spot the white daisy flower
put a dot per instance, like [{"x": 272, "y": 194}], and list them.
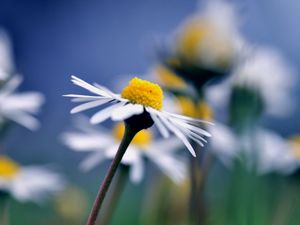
[
  {"x": 266, "y": 72},
  {"x": 210, "y": 37},
  {"x": 139, "y": 97},
  {"x": 6, "y": 62},
  {"x": 28, "y": 183},
  {"x": 103, "y": 145},
  {"x": 18, "y": 106},
  {"x": 274, "y": 153}
]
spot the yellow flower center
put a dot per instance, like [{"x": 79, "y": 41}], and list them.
[
  {"x": 192, "y": 34},
  {"x": 8, "y": 168},
  {"x": 169, "y": 79},
  {"x": 295, "y": 141},
  {"x": 199, "y": 110},
  {"x": 142, "y": 138},
  {"x": 205, "y": 112},
  {"x": 144, "y": 92},
  {"x": 201, "y": 40},
  {"x": 187, "y": 106}
]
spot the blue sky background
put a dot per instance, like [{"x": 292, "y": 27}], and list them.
[{"x": 99, "y": 40}]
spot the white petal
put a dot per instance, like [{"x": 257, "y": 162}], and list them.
[
  {"x": 11, "y": 85},
  {"x": 196, "y": 129},
  {"x": 25, "y": 120},
  {"x": 36, "y": 183},
  {"x": 77, "y": 81},
  {"x": 127, "y": 111},
  {"x": 92, "y": 160},
  {"x": 104, "y": 89},
  {"x": 173, "y": 167},
  {"x": 179, "y": 134},
  {"x": 105, "y": 113},
  {"x": 86, "y": 141},
  {"x": 27, "y": 102},
  {"x": 160, "y": 126},
  {"x": 90, "y": 105},
  {"x": 186, "y": 118},
  {"x": 82, "y": 98},
  {"x": 137, "y": 171}
]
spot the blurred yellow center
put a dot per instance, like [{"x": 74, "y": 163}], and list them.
[
  {"x": 199, "y": 110},
  {"x": 295, "y": 141},
  {"x": 8, "y": 168},
  {"x": 192, "y": 34},
  {"x": 143, "y": 92},
  {"x": 169, "y": 79},
  {"x": 202, "y": 39},
  {"x": 142, "y": 138},
  {"x": 205, "y": 112}
]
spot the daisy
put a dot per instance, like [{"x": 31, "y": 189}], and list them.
[
  {"x": 206, "y": 45},
  {"x": 209, "y": 37},
  {"x": 264, "y": 72},
  {"x": 18, "y": 107},
  {"x": 102, "y": 145},
  {"x": 273, "y": 153},
  {"x": 142, "y": 98},
  {"x": 28, "y": 183}
]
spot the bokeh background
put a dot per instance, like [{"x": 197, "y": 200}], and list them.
[{"x": 103, "y": 40}]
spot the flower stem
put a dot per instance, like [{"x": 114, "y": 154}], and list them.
[
  {"x": 4, "y": 215},
  {"x": 127, "y": 138},
  {"x": 115, "y": 195},
  {"x": 199, "y": 168}
]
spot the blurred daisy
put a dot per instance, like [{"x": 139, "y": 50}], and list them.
[
  {"x": 140, "y": 97},
  {"x": 209, "y": 37},
  {"x": 103, "y": 145},
  {"x": 206, "y": 45},
  {"x": 28, "y": 183},
  {"x": 273, "y": 153},
  {"x": 18, "y": 106},
  {"x": 6, "y": 62},
  {"x": 267, "y": 74}
]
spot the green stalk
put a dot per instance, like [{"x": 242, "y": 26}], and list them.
[
  {"x": 4, "y": 209},
  {"x": 115, "y": 195},
  {"x": 127, "y": 138}
]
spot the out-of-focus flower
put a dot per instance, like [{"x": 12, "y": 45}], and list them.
[
  {"x": 142, "y": 98},
  {"x": 265, "y": 74},
  {"x": 6, "y": 62},
  {"x": 28, "y": 183},
  {"x": 102, "y": 145},
  {"x": 207, "y": 44},
  {"x": 17, "y": 106},
  {"x": 273, "y": 153},
  {"x": 71, "y": 204}
]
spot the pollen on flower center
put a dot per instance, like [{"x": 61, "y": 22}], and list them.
[
  {"x": 143, "y": 92},
  {"x": 8, "y": 168},
  {"x": 142, "y": 138}
]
